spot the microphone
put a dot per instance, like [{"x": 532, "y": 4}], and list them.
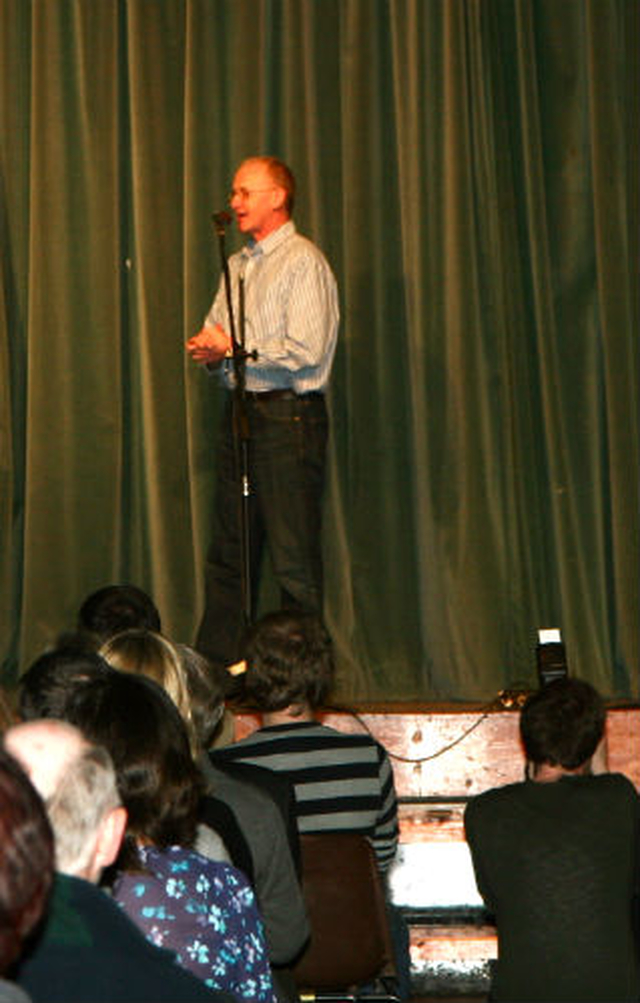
[{"x": 222, "y": 219}]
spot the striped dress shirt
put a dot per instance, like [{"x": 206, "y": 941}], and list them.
[
  {"x": 342, "y": 782},
  {"x": 290, "y": 308}
]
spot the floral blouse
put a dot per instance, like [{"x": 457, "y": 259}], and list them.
[{"x": 204, "y": 911}]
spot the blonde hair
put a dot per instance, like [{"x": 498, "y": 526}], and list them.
[{"x": 146, "y": 653}]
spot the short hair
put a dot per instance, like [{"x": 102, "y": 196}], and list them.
[
  {"x": 562, "y": 723},
  {"x": 46, "y": 686},
  {"x": 83, "y": 797},
  {"x": 26, "y": 858},
  {"x": 158, "y": 780},
  {"x": 289, "y": 661},
  {"x": 208, "y": 685},
  {"x": 147, "y": 653},
  {"x": 114, "y": 608},
  {"x": 282, "y": 176}
]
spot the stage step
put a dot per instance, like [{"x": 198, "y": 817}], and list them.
[{"x": 451, "y": 960}]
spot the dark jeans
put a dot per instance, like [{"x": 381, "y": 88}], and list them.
[{"x": 287, "y": 439}]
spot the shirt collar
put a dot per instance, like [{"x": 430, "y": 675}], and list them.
[
  {"x": 291, "y": 726},
  {"x": 269, "y": 244}
]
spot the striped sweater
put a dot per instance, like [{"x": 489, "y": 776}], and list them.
[{"x": 342, "y": 782}]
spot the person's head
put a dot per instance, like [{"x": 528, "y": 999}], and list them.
[
  {"x": 158, "y": 780},
  {"x": 262, "y": 196},
  {"x": 46, "y": 686},
  {"x": 26, "y": 859},
  {"x": 114, "y": 608},
  {"x": 562, "y": 723},
  {"x": 76, "y": 781},
  {"x": 289, "y": 662},
  {"x": 145, "y": 653},
  {"x": 208, "y": 686}
]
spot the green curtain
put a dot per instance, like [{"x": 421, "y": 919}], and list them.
[{"x": 470, "y": 168}]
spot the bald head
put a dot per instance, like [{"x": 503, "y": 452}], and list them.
[
  {"x": 45, "y": 749},
  {"x": 77, "y": 783}
]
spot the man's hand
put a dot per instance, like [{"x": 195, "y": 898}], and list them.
[{"x": 210, "y": 345}]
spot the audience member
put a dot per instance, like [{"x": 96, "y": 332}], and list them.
[
  {"x": 88, "y": 949},
  {"x": 203, "y": 909},
  {"x": 341, "y": 781},
  {"x": 273, "y": 870},
  {"x": 115, "y": 608},
  {"x": 556, "y": 859},
  {"x": 148, "y": 653},
  {"x": 209, "y": 687},
  {"x": 45, "y": 687},
  {"x": 108, "y": 611},
  {"x": 26, "y": 868}
]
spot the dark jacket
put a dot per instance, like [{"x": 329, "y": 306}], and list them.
[
  {"x": 89, "y": 951},
  {"x": 557, "y": 863}
]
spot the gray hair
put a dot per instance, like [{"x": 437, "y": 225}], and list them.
[{"x": 84, "y": 796}]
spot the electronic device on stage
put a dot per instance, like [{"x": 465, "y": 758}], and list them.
[{"x": 551, "y": 656}]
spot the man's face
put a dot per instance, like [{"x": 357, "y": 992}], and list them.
[{"x": 257, "y": 202}]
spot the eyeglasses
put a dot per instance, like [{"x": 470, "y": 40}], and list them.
[{"x": 244, "y": 193}]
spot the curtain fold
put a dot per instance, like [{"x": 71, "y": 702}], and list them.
[{"x": 470, "y": 170}]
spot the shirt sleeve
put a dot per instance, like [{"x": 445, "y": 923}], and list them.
[
  {"x": 291, "y": 314},
  {"x": 385, "y": 837},
  {"x": 279, "y": 893},
  {"x": 303, "y": 334}
]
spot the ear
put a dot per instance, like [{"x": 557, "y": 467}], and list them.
[
  {"x": 110, "y": 837},
  {"x": 279, "y": 198},
  {"x": 600, "y": 758}
]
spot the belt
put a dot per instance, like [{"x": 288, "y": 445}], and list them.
[{"x": 282, "y": 395}]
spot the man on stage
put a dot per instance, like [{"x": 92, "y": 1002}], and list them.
[{"x": 290, "y": 310}]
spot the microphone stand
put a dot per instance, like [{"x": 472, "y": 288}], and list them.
[{"x": 240, "y": 418}]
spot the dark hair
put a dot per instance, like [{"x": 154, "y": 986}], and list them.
[
  {"x": 289, "y": 661},
  {"x": 115, "y": 608},
  {"x": 207, "y": 686},
  {"x": 47, "y": 685},
  {"x": 26, "y": 859},
  {"x": 562, "y": 723},
  {"x": 158, "y": 781}
]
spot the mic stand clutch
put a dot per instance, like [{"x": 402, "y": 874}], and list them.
[{"x": 240, "y": 417}]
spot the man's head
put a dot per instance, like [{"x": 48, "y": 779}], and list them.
[
  {"x": 262, "y": 196},
  {"x": 562, "y": 724},
  {"x": 26, "y": 859},
  {"x": 289, "y": 662},
  {"x": 76, "y": 781},
  {"x": 47, "y": 685},
  {"x": 114, "y": 608}
]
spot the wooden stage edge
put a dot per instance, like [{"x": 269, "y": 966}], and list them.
[{"x": 455, "y": 751}]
